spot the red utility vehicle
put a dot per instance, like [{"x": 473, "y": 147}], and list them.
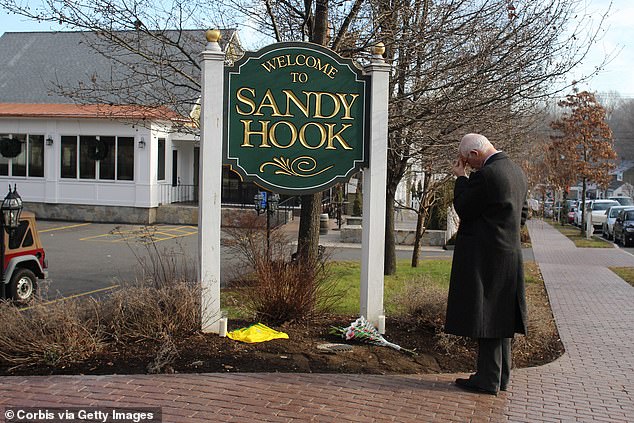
[{"x": 24, "y": 260}]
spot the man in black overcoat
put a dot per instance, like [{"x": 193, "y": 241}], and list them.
[{"x": 486, "y": 292}]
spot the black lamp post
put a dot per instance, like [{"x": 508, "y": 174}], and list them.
[
  {"x": 11, "y": 209},
  {"x": 266, "y": 203}
]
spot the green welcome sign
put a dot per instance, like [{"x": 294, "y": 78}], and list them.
[{"x": 296, "y": 118}]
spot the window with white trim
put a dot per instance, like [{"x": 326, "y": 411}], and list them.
[
  {"x": 97, "y": 157},
  {"x": 161, "y": 159},
  {"x": 30, "y": 159}
]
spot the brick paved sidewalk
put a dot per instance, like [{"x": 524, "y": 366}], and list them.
[
  {"x": 594, "y": 311},
  {"x": 591, "y": 382}
]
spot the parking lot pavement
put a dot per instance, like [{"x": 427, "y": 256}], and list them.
[
  {"x": 87, "y": 258},
  {"x": 144, "y": 235}
]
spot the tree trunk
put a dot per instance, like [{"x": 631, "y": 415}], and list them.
[
  {"x": 421, "y": 216},
  {"x": 564, "y": 208},
  {"x": 420, "y": 219},
  {"x": 320, "y": 30},
  {"x": 396, "y": 166},
  {"x": 583, "y": 208},
  {"x": 308, "y": 236}
]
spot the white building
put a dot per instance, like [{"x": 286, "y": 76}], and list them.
[{"x": 99, "y": 161}]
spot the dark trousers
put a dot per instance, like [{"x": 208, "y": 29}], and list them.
[{"x": 494, "y": 363}]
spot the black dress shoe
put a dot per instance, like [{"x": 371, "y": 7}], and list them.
[
  {"x": 503, "y": 387},
  {"x": 468, "y": 385}
]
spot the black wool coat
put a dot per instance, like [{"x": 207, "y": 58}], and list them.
[{"x": 486, "y": 290}]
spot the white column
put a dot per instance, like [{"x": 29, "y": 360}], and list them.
[
  {"x": 52, "y": 165},
  {"x": 374, "y": 183},
  {"x": 452, "y": 223},
  {"x": 210, "y": 179}
]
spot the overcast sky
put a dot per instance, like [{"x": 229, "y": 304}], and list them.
[{"x": 617, "y": 76}]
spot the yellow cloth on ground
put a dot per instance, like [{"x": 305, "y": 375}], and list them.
[{"x": 256, "y": 333}]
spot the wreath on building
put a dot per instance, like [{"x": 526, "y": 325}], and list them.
[
  {"x": 10, "y": 147},
  {"x": 98, "y": 150}
]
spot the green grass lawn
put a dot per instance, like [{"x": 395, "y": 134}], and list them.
[
  {"x": 346, "y": 276},
  {"x": 625, "y": 273},
  {"x": 574, "y": 234}
]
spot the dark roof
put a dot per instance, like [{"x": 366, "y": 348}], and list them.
[
  {"x": 623, "y": 166},
  {"x": 37, "y": 67},
  {"x": 614, "y": 184}
]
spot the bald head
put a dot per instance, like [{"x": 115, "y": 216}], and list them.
[
  {"x": 474, "y": 142},
  {"x": 475, "y": 149}
]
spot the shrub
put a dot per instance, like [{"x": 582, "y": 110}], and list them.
[
  {"x": 248, "y": 238},
  {"x": 525, "y": 237},
  {"x": 166, "y": 354},
  {"x": 163, "y": 303},
  {"x": 423, "y": 301},
  {"x": 56, "y": 334},
  {"x": 280, "y": 288},
  {"x": 60, "y": 333},
  {"x": 144, "y": 312},
  {"x": 425, "y": 304},
  {"x": 288, "y": 291}
]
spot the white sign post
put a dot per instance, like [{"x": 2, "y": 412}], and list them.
[
  {"x": 210, "y": 177},
  {"x": 374, "y": 183},
  {"x": 589, "y": 224}
]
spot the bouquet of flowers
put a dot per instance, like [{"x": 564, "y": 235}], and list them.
[{"x": 362, "y": 330}]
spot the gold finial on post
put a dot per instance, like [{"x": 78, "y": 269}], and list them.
[
  {"x": 378, "y": 49},
  {"x": 212, "y": 35}
]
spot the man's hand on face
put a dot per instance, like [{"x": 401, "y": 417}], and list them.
[{"x": 458, "y": 167}]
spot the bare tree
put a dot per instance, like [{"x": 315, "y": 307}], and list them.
[
  {"x": 457, "y": 65},
  {"x": 534, "y": 159},
  {"x": 472, "y": 66},
  {"x": 308, "y": 236}
]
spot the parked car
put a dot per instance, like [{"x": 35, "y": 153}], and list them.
[
  {"x": 588, "y": 204},
  {"x": 571, "y": 214},
  {"x": 624, "y": 201},
  {"x": 611, "y": 214},
  {"x": 598, "y": 209},
  {"x": 624, "y": 227}
]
